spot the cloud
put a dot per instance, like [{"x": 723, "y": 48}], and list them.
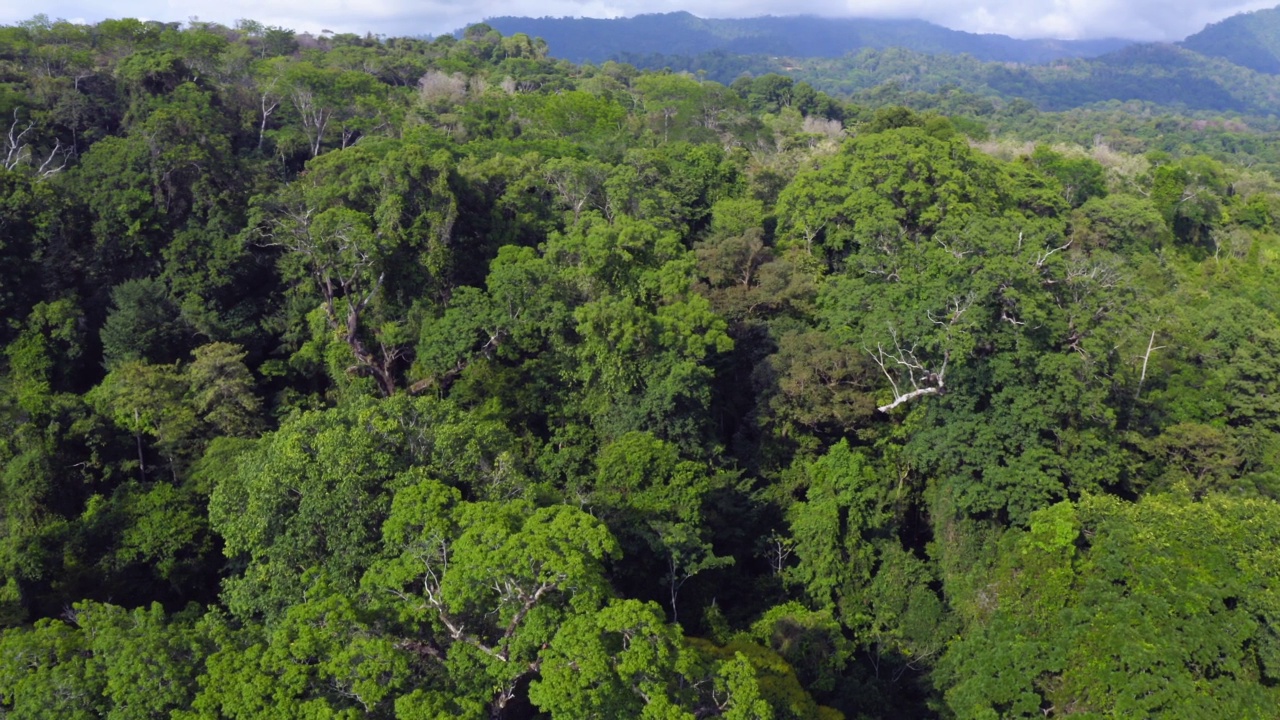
[
  {"x": 1137, "y": 19},
  {"x": 1067, "y": 19}
]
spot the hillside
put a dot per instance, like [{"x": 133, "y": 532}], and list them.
[
  {"x": 1228, "y": 67},
  {"x": 680, "y": 33},
  {"x": 1250, "y": 40},
  {"x": 1165, "y": 75}
]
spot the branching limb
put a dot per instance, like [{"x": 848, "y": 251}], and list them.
[
  {"x": 906, "y": 364},
  {"x": 1146, "y": 357},
  {"x": 923, "y": 381},
  {"x": 910, "y": 396},
  {"x": 16, "y": 150},
  {"x": 47, "y": 167},
  {"x": 1044, "y": 256}
]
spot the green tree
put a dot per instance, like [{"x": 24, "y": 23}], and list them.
[
  {"x": 483, "y": 587},
  {"x": 1081, "y": 178},
  {"x": 623, "y": 661},
  {"x": 325, "y": 103},
  {"x": 1122, "y": 223},
  {"x": 315, "y": 492},
  {"x": 49, "y": 457},
  {"x": 369, "y": 223},
  {"x": 323, "y": 658},
  {"x": 143, "y": 325},
  {"x": 102, "y": 661},
  {"x": 222, "y": 390},
  {"x": 834, "y": 529},
  {"x": 812, "y": 642},
  {"x": 1157, "y": 608},
  {"x": 148, "y": 400}
]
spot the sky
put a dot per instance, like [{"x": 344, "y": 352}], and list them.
[{"x": 1166, "y": 20}]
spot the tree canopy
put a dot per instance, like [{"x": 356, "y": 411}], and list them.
[{"x": 354, "y": 377}]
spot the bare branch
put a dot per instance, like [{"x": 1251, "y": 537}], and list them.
[
  {"x": 1040, "y": 261},
  {"x": 269, "y": 105},
  {"x": 17, "y": 149},
  {"x": 923, "y": 381},
  {"x": 45, "y": 169},
  {"x": 955, "y": 253},
  {"x": 1146, "y": 357},
  {"x": 956, "y": 308},
  {"x": 1006, "y": 317},
  {"x": 910, "y": 396},
  {"x": 879, "y": 357}
]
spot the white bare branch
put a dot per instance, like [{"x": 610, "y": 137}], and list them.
[
  {"x": 1146, "y": 357},
  {"x": 270, "y": 103},
  {"x": 879, "y": 357},
  {"x": 902, "y": 366},
  {"x": 956, "y": 308},
  {"x": 16, "y": 147},
  {"x": 1006, "y": 317},
  {"x": 911, "y": 396},
  {"x": 1044, "y": 256},
  {"x": 904, "y": 360},
  {"x": 954, "y": 252},
  {"x": 17, "y": 150},
  {"x": 46, "y": 168}
]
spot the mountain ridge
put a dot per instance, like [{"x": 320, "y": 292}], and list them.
[
  {"x": 682, "y": 33},
  {"x": 1249, "y": 40},
  {"x": 1230, "y": 66}
]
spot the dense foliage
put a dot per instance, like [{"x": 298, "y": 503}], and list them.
[{"x": 355, "y": 377}]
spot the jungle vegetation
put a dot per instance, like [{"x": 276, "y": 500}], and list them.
[{"x": 380, "y": 377}]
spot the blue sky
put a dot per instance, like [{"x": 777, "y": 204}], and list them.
[{"x": 1067, "y": 19}]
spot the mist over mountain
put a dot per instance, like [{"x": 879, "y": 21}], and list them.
[{"x": 681, "y": 33}]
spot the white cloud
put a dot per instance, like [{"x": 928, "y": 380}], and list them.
[
  {"x": 1068, "y": 19},
  {"x": 1137, "y": 19}
]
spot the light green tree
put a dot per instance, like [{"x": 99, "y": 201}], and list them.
[{"x": 483, "y": 587}]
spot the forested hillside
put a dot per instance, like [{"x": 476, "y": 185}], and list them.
[
  {"x": 1229, "y": 67},
  {"x": 680, "y": 33},
  {"x": 1251, "y": 40},
  {"x": 354, "y": 377},
  {"x": 1169, "y": 77}
]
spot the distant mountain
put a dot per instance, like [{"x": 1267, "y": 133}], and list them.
[
  {"x": 680, "y": 33},
  {"x": 1250, "y": 40},
  {"x": 1157, "y": 73},
  {"x": 1166, "y": 75},
  {"x": 1232, "y": 66}
]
